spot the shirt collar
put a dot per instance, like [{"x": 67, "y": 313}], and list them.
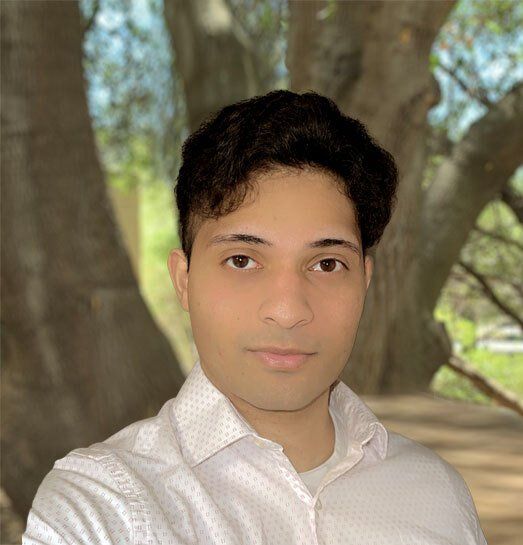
[{"x": 206, "y": 421}]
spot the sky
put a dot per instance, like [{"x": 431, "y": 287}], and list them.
[{"x": 494, "y": 73}]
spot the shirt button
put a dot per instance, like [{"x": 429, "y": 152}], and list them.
[{"x": 318, "y": 504}]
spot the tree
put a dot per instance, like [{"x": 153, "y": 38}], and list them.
[
  {"x": 217, "y": 60},
  {"x": 373, "y": 59},
  {"x": 78, "y": 342},
  {"x": 81, "y": 354}
]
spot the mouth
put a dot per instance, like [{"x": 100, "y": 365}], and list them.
[
  {"x": 282, "y": 351},
  {"x": 290, "y": 361}
]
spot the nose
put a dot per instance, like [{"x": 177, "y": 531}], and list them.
[{"x": 286, "y": 302}]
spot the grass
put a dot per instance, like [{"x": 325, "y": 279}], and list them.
[{"x": 505, "y": 369}]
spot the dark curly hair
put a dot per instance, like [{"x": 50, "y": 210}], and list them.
[{"x": 282, "y": 129}]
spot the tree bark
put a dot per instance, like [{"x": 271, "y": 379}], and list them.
[
  {"x": 473, "y": 175},
  {"x": 372, "y": 58},
  {"x": 490, "y": 387},
  {"x": 513, "y": 201},
  {"x": 214, "y": 57},
  {"x": 81, "y": 355}
]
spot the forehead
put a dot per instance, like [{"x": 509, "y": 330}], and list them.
[
  {"x": 304, "y": 209},
  {"x": 295, "y": 182}
]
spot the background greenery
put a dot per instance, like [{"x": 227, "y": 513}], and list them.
[
  {"x": 139, "y": 117},
  {"x": 462, "y": 307}
]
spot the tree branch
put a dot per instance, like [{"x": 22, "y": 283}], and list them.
[
  {"x": 489, "y": 292},
  {"x": 514, "y": 201},
  {"x": 90, "y": 21},
  {"x": 474, "y": 174},
  {"x": 499, "y": 237},
  {"x": 439, "y": 143},
  {"x": 486, "y": 385},
  {"x": 214, "y": 57},
  {"x": 478, "y": 95}
]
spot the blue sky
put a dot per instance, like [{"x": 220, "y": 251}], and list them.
[{"x": 490, "y": 72}]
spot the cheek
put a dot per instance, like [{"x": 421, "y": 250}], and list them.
[
  {"x": 219, "y": 304},
  {"x": 343, "y": 307},
  {"x": 338, "y": 319},
  {"x": 215, "y": 319}
]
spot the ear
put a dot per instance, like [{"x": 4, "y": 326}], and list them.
[
  {"x": 369, "y": 267},
  {"x": 177, "y": 264}
]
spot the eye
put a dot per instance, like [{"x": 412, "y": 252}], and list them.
[
  {"x": 242, "y": 260},
  {"x": 331, "y": 259}
]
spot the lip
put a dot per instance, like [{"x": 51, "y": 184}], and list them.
[
  {"x": 278, "y": 350},
  {"x": 289, "y": 362}
]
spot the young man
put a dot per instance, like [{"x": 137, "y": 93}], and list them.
[{"x": 280, "y": 198}]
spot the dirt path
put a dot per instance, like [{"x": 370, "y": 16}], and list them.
[{"x": 485, "y": 444}]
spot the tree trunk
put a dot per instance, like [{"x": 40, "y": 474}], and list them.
[
  {"x": 213, "y": 56},
  {"x": 81, "y": 355},
  {"x": 372, "y": 58},
  {"x": 473, "y": 175}
]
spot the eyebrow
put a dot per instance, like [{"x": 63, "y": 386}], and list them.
[{"x": 253, "y": 239}]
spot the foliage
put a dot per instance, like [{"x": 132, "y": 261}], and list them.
[
  {"x": 159, "y": 236},
  {"x": 136, "y": 102},
  {"x": 264, "y": 22},
  {"x": 497, "y": 261},
  {"x": 476, "y": 59},
  {"x": 505, "y": 369},
  {"x": 138, "y": 109},
  {"x": 136, "y": 98}
]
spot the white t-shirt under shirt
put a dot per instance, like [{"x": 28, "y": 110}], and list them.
[
  {"x": 313, "y": 477},
  {"x": 197, "y": 473}
]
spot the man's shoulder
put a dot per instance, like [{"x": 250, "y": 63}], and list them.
[
  {"x": 403, "y": 449},
  {"x": 427, "y": 475},
  {"x": 103, "y": 483},
  {"x": 81, "y": 493},
  {"x": 419, "y": 458},
  {"x": 151, "y": 438},
  {"x": 422, "y": 492}
]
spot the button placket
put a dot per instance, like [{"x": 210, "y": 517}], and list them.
[{"x": 288, "y": 472}]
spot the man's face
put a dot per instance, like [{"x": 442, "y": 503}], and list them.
[{"x": 279, "y": 295}]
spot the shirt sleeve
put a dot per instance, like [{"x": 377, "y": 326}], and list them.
[
  {"x": 469, "y": 510},
  {"x": 78, "y": 502}
]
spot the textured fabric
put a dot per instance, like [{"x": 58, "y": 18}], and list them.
[
  {"x": 198, "y": 473},
  {"x": 313, "y": 477}
]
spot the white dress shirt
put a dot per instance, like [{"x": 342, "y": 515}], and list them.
[
  {"x": 313, "y": 477},
  {"x": 198, "y": 473}
]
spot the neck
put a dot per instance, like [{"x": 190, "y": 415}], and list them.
[{"x": 307, "y": 435}]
